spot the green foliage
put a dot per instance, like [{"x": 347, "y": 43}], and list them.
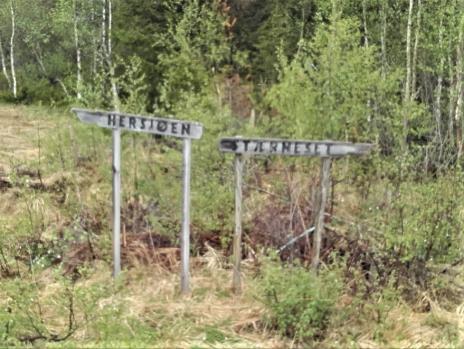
[
  {"x": 194, "y": 46},
  {"x": 54, "y": 310},
  {"x": 286, "y": 24},
  {"x": 133, "y": 85},
  {"x": 422, "y": 221},
  {"x": 299, "y": 302},
  {"x": 330, "y": 87},
  {"x": 213, "y": 335}
]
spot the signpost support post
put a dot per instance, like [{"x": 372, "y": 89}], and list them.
[
  {"x": 236, "y": 281},
  {"x": 325, "y": 184},
  {"x": 185, "y": 234},
  {"x": 116, "y": 202}
]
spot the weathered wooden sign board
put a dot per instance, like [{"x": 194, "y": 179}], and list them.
[
  {"x": 291, "y": 147},
  {"x": 138, "y": 123},
  {"x": 327, "y": 150},
  {"x": 155, "y": 125}
]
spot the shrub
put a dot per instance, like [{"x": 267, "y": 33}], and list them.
[{"x": 299, "y": 303}]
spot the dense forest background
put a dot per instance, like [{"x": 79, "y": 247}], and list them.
[
  {"x": 384, "y": 71},
  {"x": 387, "y": 72}
]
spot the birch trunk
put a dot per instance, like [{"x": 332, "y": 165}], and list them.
[
  {"x": 452, "y": 100},
  {"x": 114, "y": 90},
  {"x": 366, "y": 34},
  {"x": 94, "y": 42},
  {"x": 459, "y": 90},
  {"x": 3, "y": 62},
  {"x": 366, "y": 45},
  {"x": 12, "y": 38},
  {"x": 78, "y": 53},
  {"x": 407, "y": 86},
  {"x": 103, "y": 31},
  {"x": 416, "y": 45},
  {"x": 383, "y": 39},
  {"x": 438, "y": 91},
  {"x": 110, "y": 25}
]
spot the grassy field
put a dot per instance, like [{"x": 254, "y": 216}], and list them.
[{"x": 56, "y": 288}]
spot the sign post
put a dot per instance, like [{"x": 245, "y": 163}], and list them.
[
  {"x": 185, "y": 236},
  {"x": 325, "y": 184},
  {"x": 155, "y": 125},
  {"x": 116, "y": 202},
  {"x": 236, "y": 282},
  {"x": 327, "y": 150}
]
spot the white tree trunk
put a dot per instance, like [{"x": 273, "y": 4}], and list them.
[
  {"x": 3, "y": 62},
  {"x": 366, "y": 33},
  {"x": 407, "y": 86},
  {"x": 383, "y": 39},
  {"x": 12, "y": 58},
  {"x": 416, "y": 45},
  {"x": 439, "y": 88},
  {"x": 94, "y": 42},
  {"x": 110, "y": 28},
  {"x": 78, "y": 53},
  {"x": 459, "y": 89},
  {"x": 114, "y": 89},
  {"x": 103, "y": 30},
  {"x": 451, "y": 99}
]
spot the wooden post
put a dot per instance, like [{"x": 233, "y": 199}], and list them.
[
  {"x": 236, "y": 282},
  {"x": 116, "y": 202},
  {"x": 185, "y": 235},
  {"x": 325, "y": 184}
]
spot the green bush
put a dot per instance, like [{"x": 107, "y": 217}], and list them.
[
  {"x": 422, "y": 221},
  {"x": 299, "y": 303}
]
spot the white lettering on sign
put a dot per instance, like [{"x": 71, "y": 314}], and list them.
[
  {"x": 292, "y": 147},
  {"x": 139, "y": 123}
]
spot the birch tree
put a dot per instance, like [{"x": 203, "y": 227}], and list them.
[
  {"x": 12, "y": 47},
  {"x": 78, "y": 51},
  {"x": 3, "y": 63},
  {"x": 383, "y": 37},
  {"x": 459, "y": 88},
  {"x": 114, "y": 91},
  {"x": 407, "y": 85},
  {"x": 438, "y": 90},
  {"x": 416, "y": 45}
]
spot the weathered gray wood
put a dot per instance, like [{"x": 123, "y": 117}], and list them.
[
  {"x": 138, "y": 123},
  {"x": 236, "y": 281},
  {"x": 325, "y": 185},
  {"x": 185, "y": 234},
  {"x": 116, "y": 202},
  {"x": 264, "y": 146},
  {"x": 296, "y": 238}
]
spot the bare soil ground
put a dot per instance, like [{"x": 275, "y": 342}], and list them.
[{"x": 18, "y": 137}]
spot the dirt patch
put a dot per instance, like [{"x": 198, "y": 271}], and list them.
[{"x": 19, "y": 135}]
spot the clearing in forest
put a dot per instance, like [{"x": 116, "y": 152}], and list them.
[{"x": 145, "y": 302}]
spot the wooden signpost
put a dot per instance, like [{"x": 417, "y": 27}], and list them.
[
  {"x": 326, "y": 150},
  {"x": 161, "y": 126}
]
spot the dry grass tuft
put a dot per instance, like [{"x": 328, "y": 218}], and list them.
[{"x": 151, "y": 295}]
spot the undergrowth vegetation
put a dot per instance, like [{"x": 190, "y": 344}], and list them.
[
  {"x": 391, "y": 258},
  {"x": 300, "y": 303},
  {"x": 381, "y": 255}
]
